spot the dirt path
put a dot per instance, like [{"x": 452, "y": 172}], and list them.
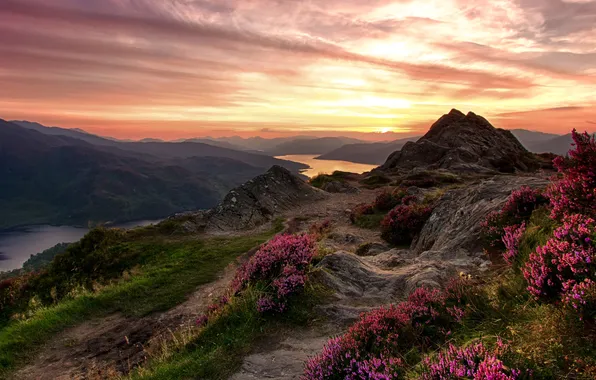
[{"x": 111, "y": 346}]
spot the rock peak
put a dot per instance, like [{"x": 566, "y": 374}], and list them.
[{"x": 464, "y": 143}]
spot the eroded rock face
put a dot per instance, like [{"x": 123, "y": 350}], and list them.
[
  {"x": 464, "y": 143},
  {"x": 260, "y": 199},
  {"x": 454, "y": 226}
]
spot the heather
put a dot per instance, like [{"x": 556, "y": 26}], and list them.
[
  {"x": 373, "y": 346},
  {"x": 404, "y": 222},
  {"x": 575, "y": 192},
  {"x": 517, "y": 209},
  {"x": 475, "y": 361},
  {"x": 279, "y": 268}
]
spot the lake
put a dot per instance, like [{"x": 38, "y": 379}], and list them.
[
  {"x": 326, "y": 166},
  {"x": 16, "y": 246}
]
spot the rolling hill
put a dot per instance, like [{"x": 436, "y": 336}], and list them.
[
  {"x": 59, "y": 179},
  {"x": 366, "y": 153}
]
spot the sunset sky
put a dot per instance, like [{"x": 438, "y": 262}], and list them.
[{"x": 184, "y": 68}]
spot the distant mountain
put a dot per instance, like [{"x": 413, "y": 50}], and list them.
[
  {"x": 311, "y": 146},
  {"x": 151, "y": 149},
  {"x": 529, "y": 138},
  {"x": 259, "y": 143},
  {"x": 149, "y": 139},
  {"x": 558, "y": 145},
  {"x": 367, "y": 153},
  {"x": 58, "y": 179}
]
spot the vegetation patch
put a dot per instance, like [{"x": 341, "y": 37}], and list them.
[
  {"x": 166, "y": 272},
  {"x": 337, "y": 176},
  {"x": 374, "y": 181}
]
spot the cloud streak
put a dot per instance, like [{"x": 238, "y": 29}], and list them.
[{"x": 125, "y": 62}]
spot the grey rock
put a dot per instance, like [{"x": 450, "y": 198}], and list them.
[
  {"x": 454, "y": 226},
  {"x": 260, "y": 200},
  {"x": 464, "y": 143}
]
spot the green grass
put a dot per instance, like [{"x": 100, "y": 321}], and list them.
[
  {"x": 172, "y": 270},
  {"x": 337, "y": 176},
  {"x": 372, "y": 221},
  {"x": 217, "y": 352}
]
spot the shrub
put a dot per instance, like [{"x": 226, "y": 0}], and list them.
[
  {"x": 15, "y": 292},
  {"x": 517, "y": 209},
  {"x": 278, "y": 269},
  {"x": 375, "y": 180},
  {"x": 565, "y": 267},
  {"x": 360, "y": 210},
  {"x": 576, "y": 191},
  {"x": 385, "y": 201},
  {"x": 371, "y": 348},
  {"x": 472, "y": 362},
  {"x": 403, "y": 223},
  {"x": 511, "y": 239}
]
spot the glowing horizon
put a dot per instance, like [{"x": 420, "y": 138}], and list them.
[{"x": 179, "y": 69}]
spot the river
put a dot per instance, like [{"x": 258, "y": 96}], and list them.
[
  {"x": 326, "y": 166},
  {"x": 16, "y": 246}
]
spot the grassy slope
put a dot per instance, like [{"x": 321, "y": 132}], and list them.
[
  {"x": 545, "y": 338},
  {"x": 174, "y": 268},
  {"x": 217, "y": 351}
]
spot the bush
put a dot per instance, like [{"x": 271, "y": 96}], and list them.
[
  {"x": 372, "y": 348},
  {"x": 472, "y": 362},
  {"x": 565, "y": 267},
  {"x": 386, "y": 200},
  {"x": 360, "y": 210},
  {"x": 403, "y": 223},
  {"x": 318, "y": 229},
  {"x": 518, "y": 209},
  {"x": 511, "y": 240},
  {"x": 278, "y": 269},
  {"x": 14, "y": 293},
  {"x": 375, "y": 180},
  {"x": 576, "y": 191}
]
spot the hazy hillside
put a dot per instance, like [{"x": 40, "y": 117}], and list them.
[
  {"x": 311, "y": 146},
  {"x": 63, "y": 180},
  {"x": 558, "y": 145},
  {"x": 366, "y": 153},
  {"x": 528, "y": 138},
  {"x": 152, "y": 149}
]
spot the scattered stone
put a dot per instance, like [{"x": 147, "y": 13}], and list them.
[{"x": 339, "y": 187}]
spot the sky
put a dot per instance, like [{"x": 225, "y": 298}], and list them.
[{"x": 365, "y": 68}]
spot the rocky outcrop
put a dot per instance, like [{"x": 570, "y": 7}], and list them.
[
  {"x": 453, "y": 229},
  {"x": 464, "y": 143},
  {"x": 260, "y": 200}
]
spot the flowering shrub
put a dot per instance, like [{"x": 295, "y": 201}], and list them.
[
  {"x": 581, "y": 297},
  {"x": 371, "y": 347},
  {"x": 404, "y": 222},
  {"x": 576, "y": 191},
  {"x": 360, "y": 210},
  {"x": 279, "y": 267},
  {"x": 385, "y": 201},
  {"x": 565, "y": 266},
  {"x": 518, "y": 208},
  {"x": 472, "y": 362},
  {"x": 511, "y": 239}
]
